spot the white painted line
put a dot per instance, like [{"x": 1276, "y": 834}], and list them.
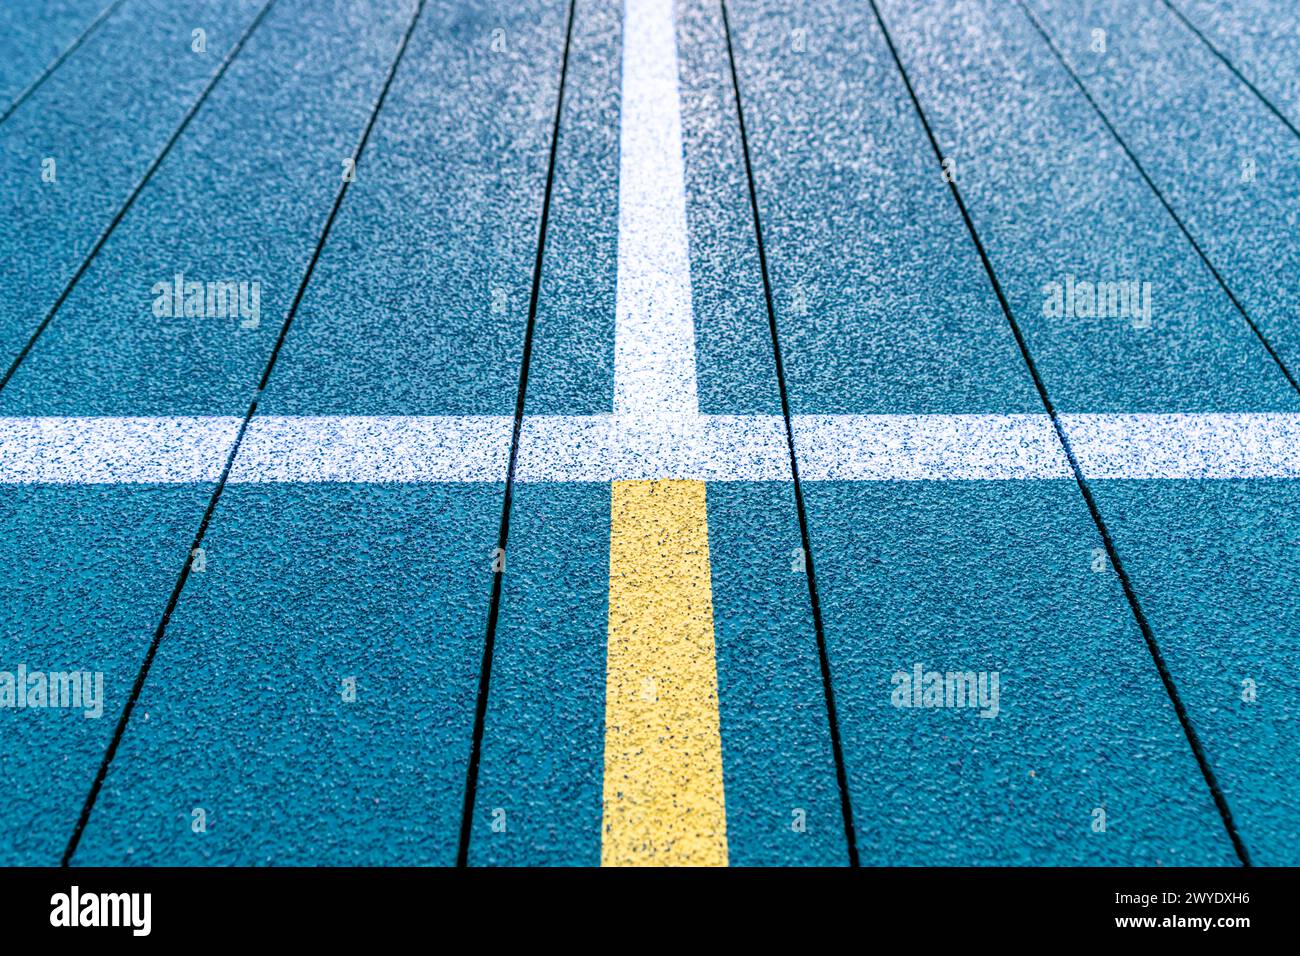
[
  {"x": 927, "y": 447},
  {"x": 1240, "y": 445},
  {"x": 606, "y": 448},
  {"x": 374, "y": 449},
  {"x": 654, "y": 331},
  {"x": 87, "y": 451}
]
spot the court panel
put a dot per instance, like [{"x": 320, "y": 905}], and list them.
[
  {"x": 538, "y": 798},
  {"x": 395, "y": 317},
  {"x": 102, "y": 118},
  {"x": 998, "y": 577},
  {"x": 1197, "y": 354},
  {"x": 35, "y": 33},
  {"x": 1216, "y": 564},
  {"x": 214, "y": 214},
  {"x": 733, "y": 344},
  {"x": 783, "y": 801},
  {"x": 1234, "y": 181},
  {"x": 572, "y": 369},
  {"x": 435, "y": 254},
  {"x": 315, "y": 689},
  {"x": 86, "y": 574},
  {"x": 959, "y": 576},
  {"x": 880, "y": 301},
  {"x": 241, "y": 199},
  {"x": 1062, "y": 210},
  {"x": 1261, "y": 38},
  {"x": 538, "y": 792}
]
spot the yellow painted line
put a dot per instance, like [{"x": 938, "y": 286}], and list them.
[{"x": 663, "y": 800}]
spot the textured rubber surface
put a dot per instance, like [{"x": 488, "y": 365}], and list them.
[
  {"x": 901, "y": 472},
  {"x": 1261, "y": 39},
  {"x": 102, "y": 118},
  {"x": 37, "y": 33},
  {"x": 1232, "y": 182}
]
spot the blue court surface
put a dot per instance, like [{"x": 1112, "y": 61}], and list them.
[{"x": 568, "y": 432}]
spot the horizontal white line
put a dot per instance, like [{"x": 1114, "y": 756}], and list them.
[
  {"x": 607, "y": 448},
  {"x": 362, "y": 449},
  {"x": 1242, "y": 445},
  {"x": 593, "y": 448},
  {"x": 93, "y": 451},
  {"x": 927, "y": 447}
]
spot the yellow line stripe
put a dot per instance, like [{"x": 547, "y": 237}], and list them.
[{"x": 663, "y": 801}]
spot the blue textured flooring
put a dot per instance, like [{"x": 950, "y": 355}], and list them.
[{"x": 927, "y": 178}]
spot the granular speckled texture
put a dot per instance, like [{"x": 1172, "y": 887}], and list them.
[
  {"x": 999, "y": 107},
  {"x": 1261, "y": 38},
  {"x": 1216, "y": 564},
  {"x": 997, "y": 577},
  {"x": 880, "y": 300},
  {"x": 1234, "y": 181},
  {"x": 942, "y": 538},
  {"x": 783, "y": 804},
  {"x": 102, "y": 117},
  {"x": 86, "y": 573},
  {"x": 36, "y": 32},
  {"x": 316, "y": 691},
  {"x": 544, "y": 738},
  {"x": 217, "y": 215},
  {"x": 242, "y": 197},
  {"x": 245, "y": 713},
  {"x": 663, "y": 803},
  {"x": 420, "y": 298},
  {"x": 573, "y": 354},
  {"x": 736, "y": 373}
]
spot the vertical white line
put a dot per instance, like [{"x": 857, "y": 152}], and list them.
[{"x": 654, "y": 332}]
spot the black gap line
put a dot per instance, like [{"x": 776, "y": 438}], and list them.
[
  {"x": 828, "y": 689},
  {"x": 1235, "y": 72},
  {"x": 1241, "y": 309},
  {"x": 130, "y": 200},
  {"x": 494, "y": 607},
  {"x": 58, "y": 60},
  {"x": 143, "y": 673},
  {"x": 1111, "y": 551}
]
